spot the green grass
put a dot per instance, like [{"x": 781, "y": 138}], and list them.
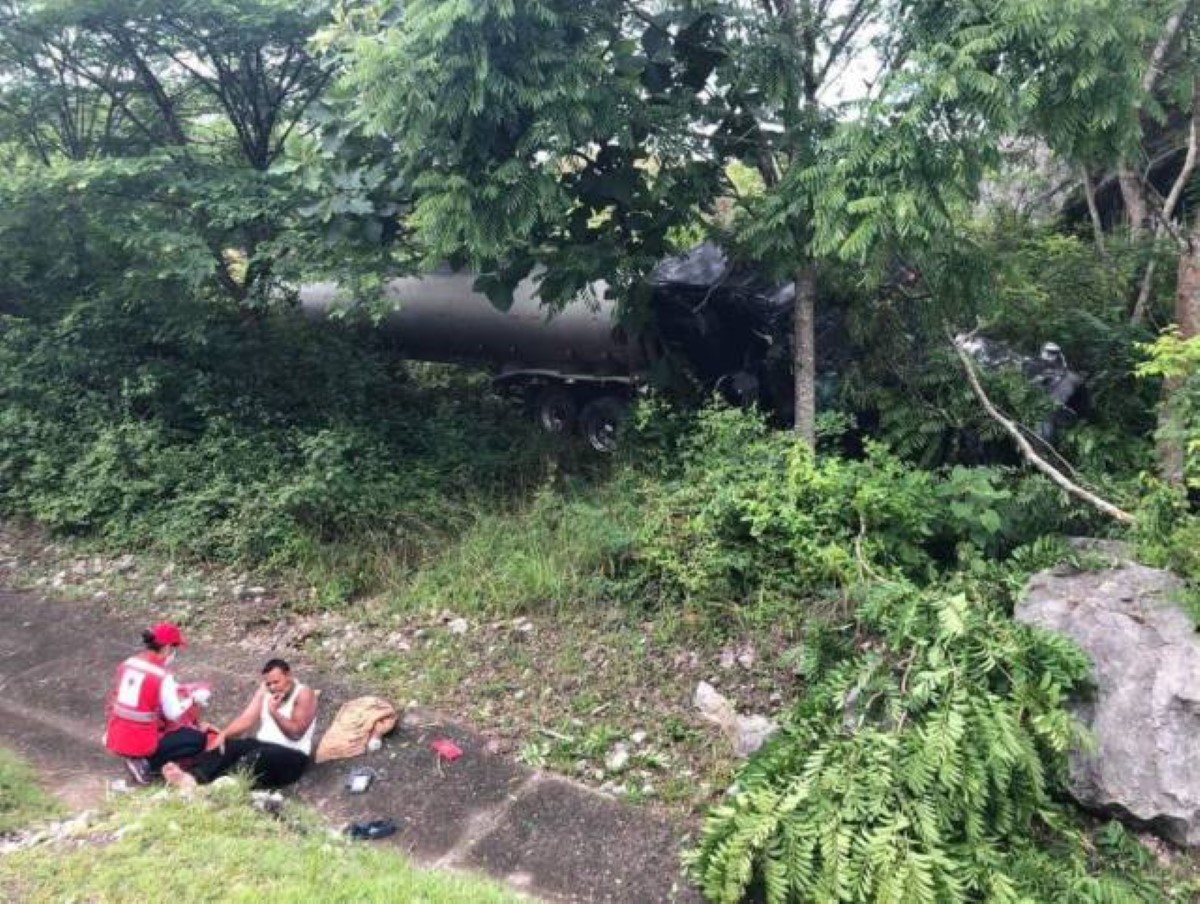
[
  {"x": 22, "y": 800},
  {"x": 218, "y": 848},
  {"x": 556, "y": 553}
]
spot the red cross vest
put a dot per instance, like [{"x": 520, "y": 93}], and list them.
[{"x": 134, "y": 721}]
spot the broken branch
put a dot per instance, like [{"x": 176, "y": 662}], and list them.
[{"x": 1029, "y": 453}]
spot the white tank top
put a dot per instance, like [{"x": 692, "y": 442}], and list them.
[{"x": 270, "y": 732}]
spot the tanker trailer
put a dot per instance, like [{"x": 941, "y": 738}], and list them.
[{"x": 579, "y": 367}]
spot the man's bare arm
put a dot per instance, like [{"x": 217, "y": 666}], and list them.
[
  {"x": 247, "y": 720},
  {"x": 302, "y": 716}
]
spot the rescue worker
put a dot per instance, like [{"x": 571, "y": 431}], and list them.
[{"x": 144, "y": 700}]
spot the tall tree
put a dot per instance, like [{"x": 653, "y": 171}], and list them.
[
  {"x": 787, "y": 57},
  {"x": 583, "y": 136},
  {"x": 171, "y": 116},
  {"x": 1171, "y": 101},
  {"x": 1150, "y": 144}
]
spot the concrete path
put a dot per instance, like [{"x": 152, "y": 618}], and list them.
[{"x": 542, "y": 834}]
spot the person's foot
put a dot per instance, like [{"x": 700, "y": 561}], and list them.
[
  {"x": 139, "y": 769},
  {"x": 174, "y": 775}
]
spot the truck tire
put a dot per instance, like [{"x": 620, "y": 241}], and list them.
[
  {"x": 556, "y": 410},
  {"x": 600, "y": 423}
]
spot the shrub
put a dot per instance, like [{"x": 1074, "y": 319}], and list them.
[
  {"x": 182, "y": 425},
  {"x": 921, "y": 768},
  {"x": 750, "y": 523}
]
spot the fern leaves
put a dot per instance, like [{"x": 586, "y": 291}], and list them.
[{"x": 934, "y": 794}]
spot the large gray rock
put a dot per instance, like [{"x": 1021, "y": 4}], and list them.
[{"x": 1145, "y": 712}]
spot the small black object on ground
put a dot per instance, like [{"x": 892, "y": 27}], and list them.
[{"x": 371, "y": 831}]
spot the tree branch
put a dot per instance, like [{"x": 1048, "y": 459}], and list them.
[
  {"x": 1027, "y": 450},
  {"x": 1165, "y": 41},
  {"x": 854, "y": 22},
  {"x": 152, "y": 84},
  {"x": 1189, "y": 162},
  {"x": 1089, "y": 191}
]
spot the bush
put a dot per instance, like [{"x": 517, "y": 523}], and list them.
[
  {"x": 922, "y": 767},
  {"x": 924, "y": 761},
  {"x": 1176, "y": 361},
  {"x": 748, "y": 523},
  {"x": 1024, "y": 286},
  {"x": 183, "y": 425}
]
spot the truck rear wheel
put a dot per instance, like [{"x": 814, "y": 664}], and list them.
[
  {"x": 600, "y": 423},
  {"x": 555, "y": 410}
]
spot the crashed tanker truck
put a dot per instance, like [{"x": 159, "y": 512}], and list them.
[
  {"x": 580, "y": 367},
  {"x": 709, "y": 328}
]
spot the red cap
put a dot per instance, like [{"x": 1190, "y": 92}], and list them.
[{"x": 167, "y": 634}]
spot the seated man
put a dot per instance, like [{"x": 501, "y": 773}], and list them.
[{"x": 282, "y": 714}]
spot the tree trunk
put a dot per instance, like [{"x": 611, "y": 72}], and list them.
[
  {"x": 804, "y": 353},
  {"x": 1137, "y": 212},
  {"x": 1187, "y": 297},
  {"x": 1133, "y": 196},
  {"x": 1171, "y": 451},
  {"x": 1089, "y": 192}
]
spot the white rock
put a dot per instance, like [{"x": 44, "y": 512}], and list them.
[
  {"x": 458, "y": 626},
  {"x": 617, "y": 759},
  {"x": 745, "y": 733},
  {"x": 1144, "y": 710}
]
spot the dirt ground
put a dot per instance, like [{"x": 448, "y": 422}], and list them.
[
  {"x": 550, "y": 837},
  {"x": 594, "y": 695}
]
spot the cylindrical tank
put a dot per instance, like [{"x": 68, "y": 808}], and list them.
[{"x": 440, "y": 317}]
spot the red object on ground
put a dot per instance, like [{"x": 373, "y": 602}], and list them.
[{"x": 446, "y": 749}]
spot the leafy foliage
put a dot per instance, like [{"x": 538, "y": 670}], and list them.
[
  {"x": 751, "y": 522},
  {"x": 164, "y": 120},
  {"x": 923, "y": 761},
  {"x": 1177, "y": 360},
  {"x": 921, "y": 768},
  {"x": 538, "y": 131},
  {"x": 179, "y": 427},
  {"x": 1024, "y": 285}
]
